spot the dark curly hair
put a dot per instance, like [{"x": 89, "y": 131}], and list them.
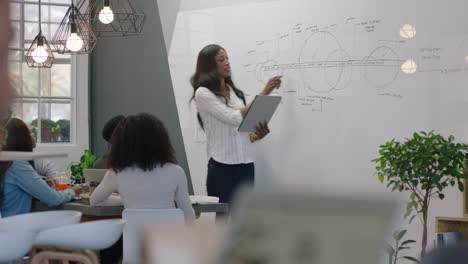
[
  {"x": 140, "y": 140},
  {"x": 110, "y": 126}
]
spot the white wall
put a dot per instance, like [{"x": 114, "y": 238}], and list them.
[{"x": 168, "y": 10}]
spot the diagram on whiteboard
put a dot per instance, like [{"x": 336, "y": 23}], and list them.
[
  {"x": 322, "y": 64},
  {"x": 324, "y": 60}
]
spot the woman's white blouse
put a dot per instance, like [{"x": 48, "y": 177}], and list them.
[{"x": 224, "y": 143}]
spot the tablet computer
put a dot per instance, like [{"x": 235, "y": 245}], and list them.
[{"x": 262, "y": 109}]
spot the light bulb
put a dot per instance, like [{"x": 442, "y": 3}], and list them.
[
  {"x": 407, "y": 31},
  {"x": 409, "y": 67},
  {"x": 106, "y": 16},
  {"x": 74, "y": 42},
  {"x": 40, "y": 54}
]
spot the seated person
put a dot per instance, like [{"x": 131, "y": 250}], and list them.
[
  {"x": 19, "y": 181},
  {"x": 107, "y": 131},
  {"x": 143, "y": 168},
  {"x": 449, "y": 254},
  {"x": 45, "y": 168}
]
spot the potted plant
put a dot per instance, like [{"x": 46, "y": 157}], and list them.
[
  {"x": 398, "y": 246},
  {"x": 64, "y": 126},
  {"x": 86, "y": 162},
  {"x": 424, "y": 165},
  {"x": 49, "y": 129}
]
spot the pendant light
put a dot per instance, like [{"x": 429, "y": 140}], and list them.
[
  {"x": 39, "y": 54},
  {"x": 74, "y": 34},
  {"x": 115, "y": 18}
]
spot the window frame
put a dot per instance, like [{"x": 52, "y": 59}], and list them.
[{"x": 79, "y": 64}]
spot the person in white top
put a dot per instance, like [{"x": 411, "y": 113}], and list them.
[
  {"x": 144, "y": 171},
  {"x": 221, "y": 108},
  {"x": 143, "y": 168}
]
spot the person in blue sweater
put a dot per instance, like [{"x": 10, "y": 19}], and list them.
[{"x": 19, "y": 182}]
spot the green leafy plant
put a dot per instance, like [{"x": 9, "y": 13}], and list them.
[
  {"x": 64, "y": 126},
  {"x": 424, "y": 165},
  {"x": 86, "y": 162},
  {"x": 399, "y": 245},
  {"x": 45, "y": 123},
  {"x": 50, "y": 130}
]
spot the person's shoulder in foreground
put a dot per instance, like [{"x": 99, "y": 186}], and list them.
[{"x": 451, "y": 254}]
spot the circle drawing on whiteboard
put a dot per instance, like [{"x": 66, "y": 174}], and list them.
[
  {"x": 409, "y": 67},
  {"x": 338, "y": 72},
  {"x": 407, "y": 31},
  {"x": 382, "y": 67},
  {"x": 323, "y": 63}
]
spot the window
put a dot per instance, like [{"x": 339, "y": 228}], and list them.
[{"x": 46, "y": 97}]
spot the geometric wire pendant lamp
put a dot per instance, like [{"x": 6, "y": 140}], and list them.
[
  {"x": 115, "y": 18},
  {"x": 74, "y": 34},
  {"x": 39, "y": 54}
]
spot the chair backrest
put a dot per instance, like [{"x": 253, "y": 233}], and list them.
[
  {"x": 93, "y": 235},
  {"x": 15, "y": 244},
  {"x": 139, "y": 218},
  {"x": 39, "y": 221}
]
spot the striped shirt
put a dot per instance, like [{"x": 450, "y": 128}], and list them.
[{"x": 224, "y": 143}]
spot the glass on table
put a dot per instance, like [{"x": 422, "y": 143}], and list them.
[{"x": 62, "y": 180}]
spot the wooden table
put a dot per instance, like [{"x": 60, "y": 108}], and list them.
[{"x": 102, "y": 212}]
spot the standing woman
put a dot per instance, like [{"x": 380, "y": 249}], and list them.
[{"x": 221, "y": 108}]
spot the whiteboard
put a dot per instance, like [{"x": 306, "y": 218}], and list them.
[{"x": 344, "y": 91}]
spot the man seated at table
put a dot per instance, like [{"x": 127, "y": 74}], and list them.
[{"x": 107, "y": 132}]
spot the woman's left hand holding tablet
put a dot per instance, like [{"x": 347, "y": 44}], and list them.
[{"x": 262, "y": 131}]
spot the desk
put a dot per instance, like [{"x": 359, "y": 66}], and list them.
[{"x": 116, "y": 211}]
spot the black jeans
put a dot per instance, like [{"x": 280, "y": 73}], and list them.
[{"x": 223, "y": 180}]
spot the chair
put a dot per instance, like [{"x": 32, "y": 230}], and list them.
[
  {"x": 136, "y": 220},
  {"x": 39, "y": 221},
  {"x": 80, "y": 238},
  {"x": 15, "y": 244}
]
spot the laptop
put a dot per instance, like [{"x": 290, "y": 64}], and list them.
[
  {"x": 94, "y": 175},
  {"x": 279, "y": 226}
]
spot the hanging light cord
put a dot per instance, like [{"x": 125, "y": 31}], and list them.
[{"x": 40, "y": 27}]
